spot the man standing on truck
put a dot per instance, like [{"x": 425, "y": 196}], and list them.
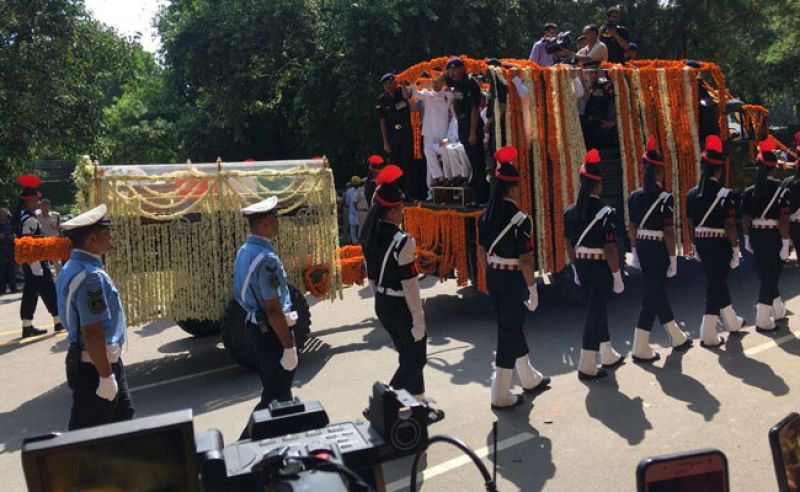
[
  {"x": 260, "y": 287},
  {"x": 614, "y": 36},
  {"x": 91, "y": 308},
  {"x": 466, "y": 104}
]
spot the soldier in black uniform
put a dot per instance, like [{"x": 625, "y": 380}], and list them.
[
  {"x": 592, "y": 248},
  {"x": 38, "y": 279},
  {"x": 711, "y": 216},
  {"x": 652, "y": 234},
  {"x": 375, "y": 166},
  {"x": 792, "y": 185},
  {"x": 394, "y": 114},
  {"x": 390, "y": 255},
  {"x": 765, "y": 220},
  {"x": 506, "y": 248},
  {"x": 466, "y": 104}
]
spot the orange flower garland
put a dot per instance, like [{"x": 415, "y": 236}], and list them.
[
  {"x": 352, "y": 263},
  {"x": 316, "y": 280},
  {"x": 29, "y": 249}
]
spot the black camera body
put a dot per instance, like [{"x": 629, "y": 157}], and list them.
[{"x": 558, "y": 43}]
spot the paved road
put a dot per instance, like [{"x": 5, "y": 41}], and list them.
[{"x": 574, "y": 437}]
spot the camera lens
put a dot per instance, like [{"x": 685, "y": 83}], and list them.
[{"x": 405, "y": 434}]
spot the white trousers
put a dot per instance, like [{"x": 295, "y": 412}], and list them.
[
  {"x": 432, "y": 150},
  {"x": 455, "y": 161}
]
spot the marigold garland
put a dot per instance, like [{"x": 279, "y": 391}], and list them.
[
  {"x": 28, "y": 249},
  {"x": 316, "y": 279}
]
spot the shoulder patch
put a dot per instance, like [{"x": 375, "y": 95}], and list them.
[{"x": 96, "y": 301}]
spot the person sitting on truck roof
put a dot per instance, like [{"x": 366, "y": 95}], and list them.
[{"x": 595, "y": 50}]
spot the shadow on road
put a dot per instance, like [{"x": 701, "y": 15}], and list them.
[
  {"x": 751, "y": 371},
  {"x": 680, "y": 386},
  {"x": 620, "y": 413},
  {"x": 529, "y": 463}
]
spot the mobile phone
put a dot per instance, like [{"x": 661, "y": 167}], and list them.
[
  {"x": 784, "y": 439},
  {"x": 704, "y": 470}
]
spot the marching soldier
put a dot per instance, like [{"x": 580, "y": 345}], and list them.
[
  {"x": 592, "y": 248},
  {"x": 506, "y": 248},
  {"x": 792, "y": 185},
  {"x": 260, "y": 287},
  {"x": 765, "y": 220},
  {"x": 711, "y": 216},
  {"x": 652, "y": 234},
  {"x": 38, "y": 279},
  {"x": 91, "y": 307},
  {"x": 390, "y": 255}
]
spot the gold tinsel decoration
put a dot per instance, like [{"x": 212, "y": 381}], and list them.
[{"x": 176, "y": 233}]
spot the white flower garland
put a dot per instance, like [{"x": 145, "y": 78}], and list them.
[
  {"x": 536, "y": 174},
  {"x": 676, "y": 188},
  {"x": 553, "y": 74},
  {"x": 691, "y": 108}
]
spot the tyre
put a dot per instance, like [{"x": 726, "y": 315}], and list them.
[
  {"x": 198, "y": 328},
  {"x": 234, "y": 338},
  {"x": 302, "y": 329}
]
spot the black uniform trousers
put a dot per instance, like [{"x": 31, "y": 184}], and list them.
[
  {"x": 508, "y": 291},
  {"x": 794, "y": 233},
  {"x": 395, "y": 317},
  {"x": 766, "y": 248},
  {"x": 654, "y": 260},
  {"x": 476, "y": 159},
  {"x": 402, "y": 143},
  {"x": 276, "y": 382},
  {"x": 597, "y": 283},
  {"x": 88, "y": 409},
  {"x": 715, "y": 255},
  {"x": 34, "y": 287}
]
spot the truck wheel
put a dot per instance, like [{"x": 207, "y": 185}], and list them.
[
  {"x": 302, "y": 329},
  {"x": 234, "y": 338},
  {"x": 198, "y": 328}
]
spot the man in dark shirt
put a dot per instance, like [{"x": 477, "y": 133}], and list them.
[
  {"x": 394, "y": 114},
  {"x": 614, "y": 36},
  {"x": 466, "y": 103},
  {"x": 7, "y": 265}
]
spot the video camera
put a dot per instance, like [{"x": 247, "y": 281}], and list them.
[
  {"x": 292, "y": 447},
  {"x": 558, "y": 43}
]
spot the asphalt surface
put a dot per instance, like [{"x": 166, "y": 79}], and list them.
[{"x": 576, "y": 436}]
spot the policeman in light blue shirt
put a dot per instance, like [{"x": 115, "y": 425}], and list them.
[
  {"x": 260, "y": 287},
  {"x": 90, "y": 307}
]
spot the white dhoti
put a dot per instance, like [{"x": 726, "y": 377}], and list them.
[
  {"x": 455, "y": 161},
  {"x": 433, "y": 149}
]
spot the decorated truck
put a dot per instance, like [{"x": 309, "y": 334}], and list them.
[{"x": 178, "y": 226}]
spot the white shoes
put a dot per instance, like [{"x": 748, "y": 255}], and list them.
[
  {"x": 730, "y": 321},
  {"x": 678, "y": 338},
  {"x": 587, "y": 367},
  {"x": 642, "y": 352},
  {"x": 708, "y": 332},
  {"x": 608, "y": 356},
  {"x": 764, "y": 321},
  {"x": 502, "y": 397},
  {"x": 778, "y": 309}
]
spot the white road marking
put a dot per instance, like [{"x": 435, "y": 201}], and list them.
[
  {"x": 183, "y": 378},
  {"x": 452, "y": 464},
  {"x": 793, "y": 335}
]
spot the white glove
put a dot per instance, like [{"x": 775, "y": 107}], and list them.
[
  {"x": 107, "y": 388},
  {"x": 736, "y": 258},
  {"x": 673, "y": 267},
  {"x": 533, "y": 298},
  {"x": 784, "y": 254},
  {"x": 575, "y": 275},
  {"x": 696, "y": 254},
  {"x": 36, "y": 268},
  {"x": 619, "y": 286},
  {"x": 418, "y": 332},
  {"x": 635, "y": 259},
  {"x": 289, "y": 359},
  {"x": 747, "y": 246}
]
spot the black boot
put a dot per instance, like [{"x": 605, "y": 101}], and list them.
[
  {"x": 58, "y": 327},
  {"x": 30, "y": 331}
]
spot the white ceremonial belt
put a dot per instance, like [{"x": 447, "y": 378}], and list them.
[
  {"x": 649, "y": 234},
  {"x": 389, "y": 292},
  {"x": 500, "y": 263},
  {"x": 705, "y": 232},
  {"x": 765, "y": 224},
  {"x": 112, "y": 352},
  {"x": 589, "y": 253}
]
